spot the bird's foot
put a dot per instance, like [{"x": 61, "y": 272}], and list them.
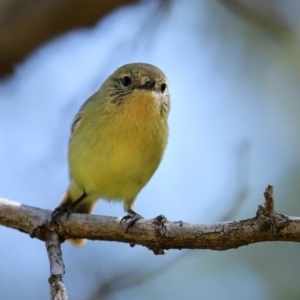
[
  {"x": 59, "y": 212},
  {"x": 133, "y": 217}
]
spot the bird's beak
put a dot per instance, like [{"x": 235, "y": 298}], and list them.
[{"x": 148, "y": 85}]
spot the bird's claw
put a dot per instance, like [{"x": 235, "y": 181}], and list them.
[
  {"x": 59, "y": 212},
  {"x": 133, "y": 219}
]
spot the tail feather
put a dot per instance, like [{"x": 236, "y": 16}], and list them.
[{"x": 85, "y": 207}]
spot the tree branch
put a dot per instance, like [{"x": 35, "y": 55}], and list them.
[
  {"x": 57, "y": 267},
  {"x": 25, "y": 25},
  {"x": 158, "y": 233}
]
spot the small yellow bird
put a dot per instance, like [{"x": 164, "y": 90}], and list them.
[{"x": 118, "y": 139}]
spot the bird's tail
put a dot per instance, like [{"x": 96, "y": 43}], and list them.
[{"x": 86, "y": 206}]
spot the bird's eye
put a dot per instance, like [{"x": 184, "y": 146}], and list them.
[
  {"x": 126, "y": 80},
  {"x": 163, "y": 87}
]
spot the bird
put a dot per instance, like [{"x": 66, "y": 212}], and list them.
[{"x": 118, "y": 138}]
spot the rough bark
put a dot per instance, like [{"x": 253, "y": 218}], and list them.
[{"x": 157, "y": 234}]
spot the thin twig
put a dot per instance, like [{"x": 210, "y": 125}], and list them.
[
  {"x": 269, "y": 201},
  {"x": 57, "y": 267}
]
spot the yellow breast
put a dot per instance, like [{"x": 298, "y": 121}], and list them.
[{"x": 114, "y": 153}]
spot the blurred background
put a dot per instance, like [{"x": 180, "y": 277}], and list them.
[{"x": 234, "y": 78}]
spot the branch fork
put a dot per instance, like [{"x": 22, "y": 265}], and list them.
[{"x": 157, "y": 234}]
